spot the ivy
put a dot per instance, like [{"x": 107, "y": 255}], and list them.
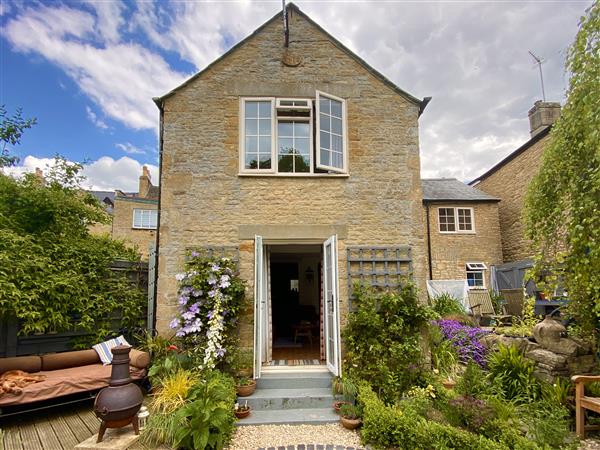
[
  {"x": 563, "y": 203},
  {"x": 54, "y": 275}
]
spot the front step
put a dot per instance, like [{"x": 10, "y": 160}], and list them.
[{"x": 291, "y": 398}]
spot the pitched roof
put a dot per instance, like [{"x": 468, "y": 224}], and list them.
[
  {"x": 107, "y": 197},
  {"x": 451, "y": 189},
  {"x": 293, "y": 7},
  {"x": 517, "y": 152}
]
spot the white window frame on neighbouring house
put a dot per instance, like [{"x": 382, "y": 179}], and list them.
[
  {"x": 297, "y": 110},
  {"x": 457, "y": 222},
  {"x": 476, "y": 268},
  {"x": 140, "y": 214}
]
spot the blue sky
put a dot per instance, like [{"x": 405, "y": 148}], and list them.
[{"x": 88, "y": 69}]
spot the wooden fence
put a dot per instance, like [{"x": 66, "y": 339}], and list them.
[{"x": 14, "y": 344}]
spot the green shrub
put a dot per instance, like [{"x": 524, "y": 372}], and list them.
[
  {"x": 445, "y": 304},
  {"x": 473, "y": 382},
  {"x": 511, "y": 375},
  {"x": 402, "y": 428},
  {"x": 443, "y": 354},
  {"x": 469, "y": 413},
  {"x": 547, "y": 423},
  {"x": 383, "y": 339}
]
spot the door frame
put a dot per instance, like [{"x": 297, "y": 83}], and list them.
[{"x": 262, "y": 286}]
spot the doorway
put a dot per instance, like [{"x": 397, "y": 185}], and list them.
[
  {"x": 295, "y": 303},
  {"x": 296, "y": 306}
]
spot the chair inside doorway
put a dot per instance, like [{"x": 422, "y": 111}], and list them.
[{"x": 295, "y": 307}]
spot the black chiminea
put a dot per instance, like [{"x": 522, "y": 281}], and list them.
[{"x": 117, "y": 405}]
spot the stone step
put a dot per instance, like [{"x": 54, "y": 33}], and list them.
[
  {"x": 273, "y": 399},
  {"x": 312, "y": 416},
  {"x": 294, "y": 380}
]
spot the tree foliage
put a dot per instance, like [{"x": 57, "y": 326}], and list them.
[
  {"x": 563, "y": 203},
  {"x": 11, "y": 130},
  {"x": 54, "y": 275}
]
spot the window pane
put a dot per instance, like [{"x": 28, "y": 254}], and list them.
[
  {"x": 265, "y": 109},
  {"x": 264, "y": 144},
  {"x": 336, "y": 108},
  {"x": 324, "y": 105},
  {"x": 251, "y": 161},
  {"x": 285, "y": 129},
  {"x": 325, "y": 157},
  {"x": 325, "y": 122},
  {"x": 301, "y": 164},
  {"x": 286, "y": 164},
  {"x": 464, "y": 220},
  {"x": 251, "y": 127},
  {"x": 336, "y": 125},
  {"x": 153, "y": 218},
  {"x": 251, "y": 144},
  {"x": 251, "y": 109},
  {"x": 337, "y": 160},
  {"x": 265, "y": 161},
  {"x": 301, "y": 129},
  {"x": 265, "y": 127},
  {"x": 325, "y": 140},
  {"x": 336, "y": 143},
  {"x": 286, "y": 146},
  {"x": 302, "y": 146}
]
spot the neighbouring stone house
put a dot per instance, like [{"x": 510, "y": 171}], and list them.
[
  {"x": 509, "y": 179},
  {"x": 135, "y": 215},
  {"x": 107, "y": 200},
  {"x": 302, "y": 162},
  {"x": 462, "y": 232}
]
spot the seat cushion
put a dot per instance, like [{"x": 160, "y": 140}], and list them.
[{"x": 65, "y": 382}]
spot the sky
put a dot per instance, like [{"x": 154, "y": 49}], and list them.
[{"x": 87, "y": 70}]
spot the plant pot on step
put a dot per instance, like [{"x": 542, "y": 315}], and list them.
[
  {"x": 242, "y": 412},
  {"x": 338, "y": 404},
  {"x": 246, "y": 389},
  {"x": 350, "y": 424}
]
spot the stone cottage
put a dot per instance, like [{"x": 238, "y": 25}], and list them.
[
  {"x": 135, "y": 215},
  {"x": 509, "y": 179},
  {"x": 462, "y": 232},
  {"x": 294, "y": 156}
]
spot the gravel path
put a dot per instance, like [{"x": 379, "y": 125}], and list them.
[
  {"x": 265, "y": 436},
  {"x": 590, "y": 444}
]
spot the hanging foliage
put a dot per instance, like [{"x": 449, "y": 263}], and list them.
[{"x": 563, "y": 202}]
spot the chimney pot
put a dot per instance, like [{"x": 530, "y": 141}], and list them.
[{"x": 542, "y": 115}]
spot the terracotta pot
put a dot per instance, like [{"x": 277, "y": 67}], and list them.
[
  {"x": 337, "y": 405},
  {"x": 449, "y": 384},
  {"x": 246, "y": 391},
  {"x": 241, "y": 414},
  {"x": 350, "y": 424}
]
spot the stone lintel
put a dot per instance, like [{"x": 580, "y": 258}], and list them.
[
  {"x": 293, "y": 232},
  {"x": 114, "y": 439}
]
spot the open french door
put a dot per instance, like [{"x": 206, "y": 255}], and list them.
[
  {"x": 260, "y": 304},
  {"x": 331, "y": 307}
]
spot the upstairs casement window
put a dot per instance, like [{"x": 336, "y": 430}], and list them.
[
  {"x": 145, "y": 219},
  {"x": 456, "y": 220},
  {"x": 293, "y": 136}
]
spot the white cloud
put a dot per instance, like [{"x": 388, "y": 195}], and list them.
[
  {"x": 93, "y": 117},
  {"x": 104, "y": 174},
  {"x": 109, "y": 19},
  {"x": 130, "y": 149},
  {"x": 121, "y": 78}
]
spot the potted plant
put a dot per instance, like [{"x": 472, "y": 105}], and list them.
[
  {"x": 451, "y": 374},
  {"x": 241, "y": 411},
  {"x": 350, "y": 416},
  {"x": 245, "y": 387},
  {"x": 245, "y": 363},
  {"x": 344, "y": 388}
]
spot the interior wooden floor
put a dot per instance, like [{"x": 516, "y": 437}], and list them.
[
  {"x": 59, "y": 428},
  {"x": 306, "y": 352}
]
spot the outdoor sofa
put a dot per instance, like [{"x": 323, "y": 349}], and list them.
[{"x": 66, "y": 373}]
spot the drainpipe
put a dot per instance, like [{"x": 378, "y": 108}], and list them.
[
  {"x": 160, "y": 105},
  {"x": 428, "y": 243}
]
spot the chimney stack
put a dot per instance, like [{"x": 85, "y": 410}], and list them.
[
  {"x": 542, "y": 115},
  {"x": 144, "y": 182},
  {"x": 39, "y": 174}
]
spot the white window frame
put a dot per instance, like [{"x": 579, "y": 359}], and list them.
[
  {"x": 319, "y": 165},
  {"x": 310, "y": 120},
  {"x": 141, "y": 227},
  {"x": 456, "y": 222},
  {"x": 476, "y": 267},
  {"x": 242, "y": 137}
]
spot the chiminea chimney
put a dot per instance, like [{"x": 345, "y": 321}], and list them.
[
  {"x": 542, "y": 115},
  {"x": 144, "y": 182}
]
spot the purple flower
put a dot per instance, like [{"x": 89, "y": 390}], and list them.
[
  {"x": 210, "y": 314},
  {"x": 180, "y": 276},
  {"x": 220, "y": 352},
  {"x": 188, "y": 315},
  {"x": 195, "y": 254},
  {"x": 194, "y": 308},
  {"x": 215, "y": 267},
  {"x": 465, "y": 340},
  {"x": 174, "y": 323},
  {"x": 212, "y": 293},
  {"x": 212, "y": 280},
  {"x": 183, "y": 300},
  {"x": 197, "y": 292}
]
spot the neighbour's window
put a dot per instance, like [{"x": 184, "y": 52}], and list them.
[
  {"x": 475, "y": 278},
  {"x": 145, "y": 218},
  {"x": 456, "y": 220},
  {"x": 278, "y": 135}
]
